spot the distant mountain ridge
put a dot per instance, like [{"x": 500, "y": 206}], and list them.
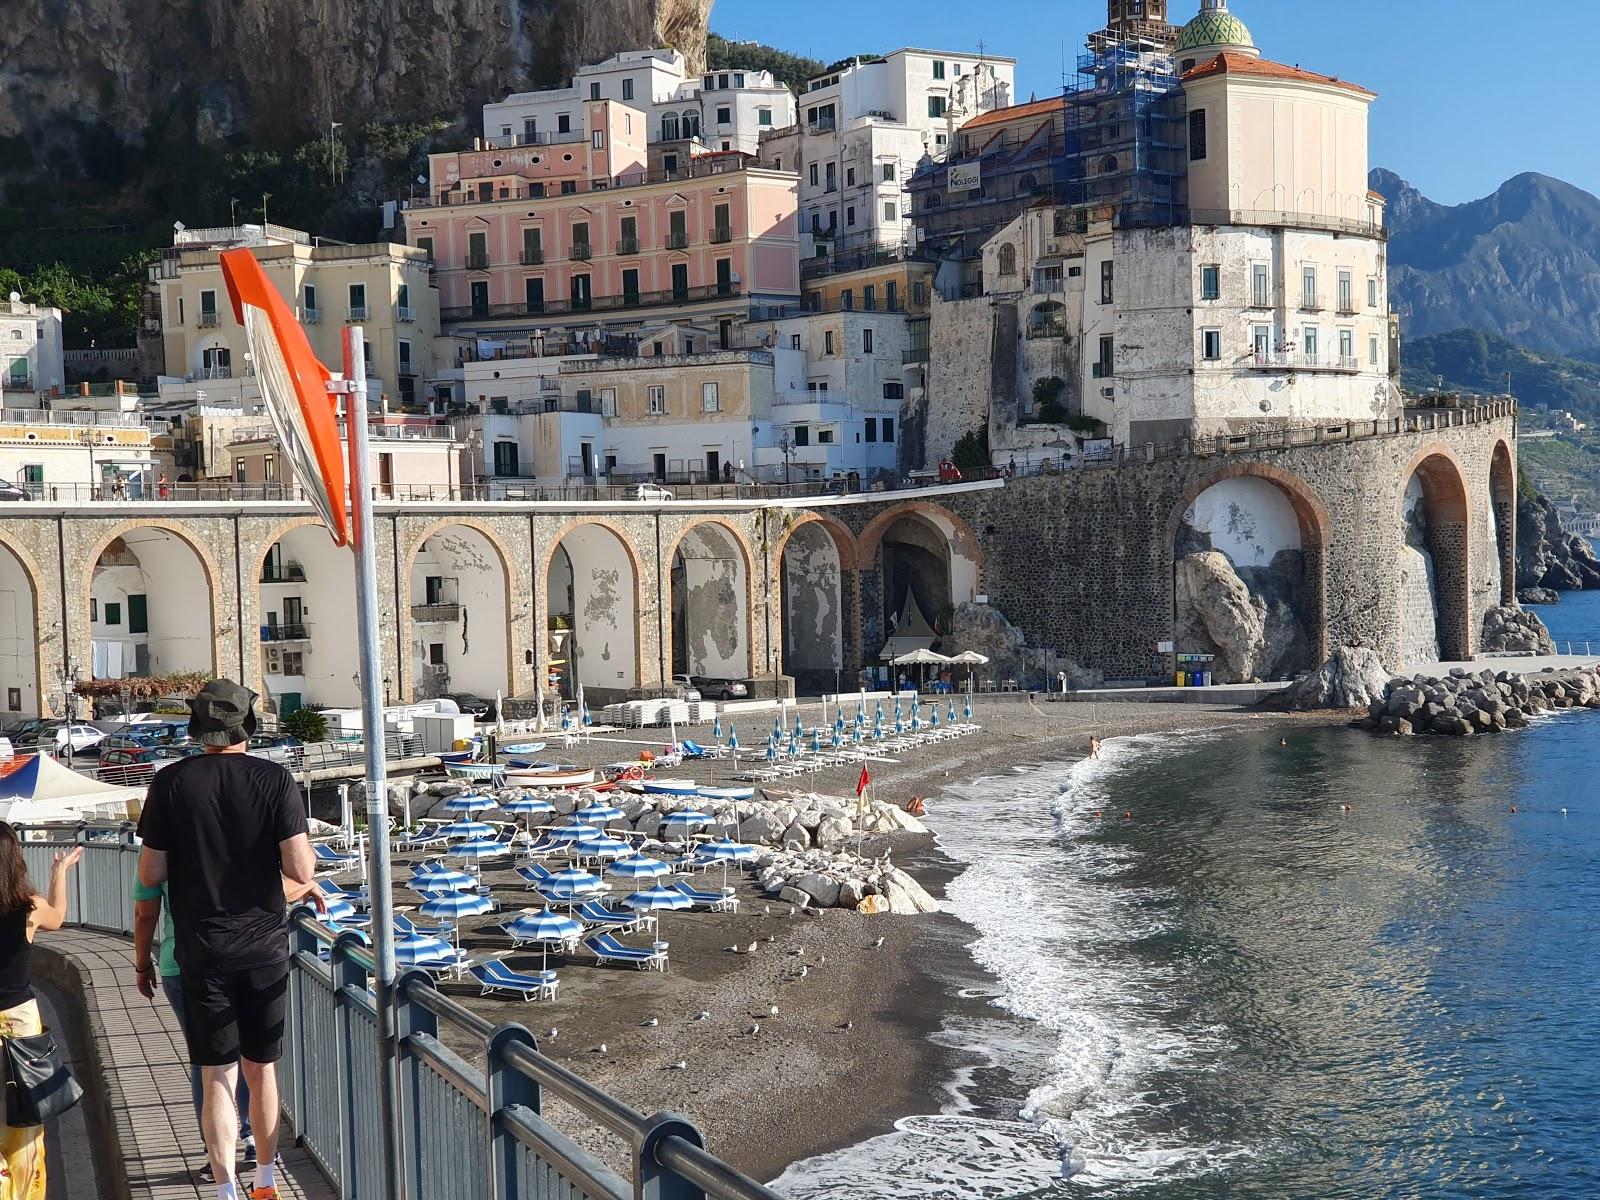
[
  {"x": 1522, "y": 263},
  {"x": 1469, "y": 360}
]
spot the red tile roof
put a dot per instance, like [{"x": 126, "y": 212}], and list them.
[
  {"x": 1231, "y": 63},
  {"x": 1017, "y": 112}
]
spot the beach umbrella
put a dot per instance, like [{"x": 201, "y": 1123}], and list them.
[
  {"x": 816, "y": 740},
  {"x": 777, "y": 726},
  {"x": 602, "y": 847},
  {"x": 637, "y": 867},
  {"x": 897, "y": 712},
  {"x": 420, "y": 951},
  {"x": 527, "y": 806},
  {"x": 838, "y": 723},
  {"x": 566, "y": 721},
  {"x": 469, "y": 804},
  {"x": 658, "y": 900},
  {"x": 950, "y": 714},
  {"x": 599, "y": 814},
  {"x": 588, "y": 717},
  {"x": 916, "y": 723},
  {"x": 545, "y": 927},
  {"x": 339, "y": 910},
  {"x": 733, "y": 739},
  {"x": 726, "y": 852},
  {"x": 799, "y": 726},
  {"x": 899, "y": 725},
  {"x": 935, "y": 719},
  {"x": 880, "y": 712},
  {"x": 467, "y": 829},
  {"x": 838, "y": 739},
  {"x": 478, "y": 849},
  {"x": 966, "y": 708},
  {"x": 441, "y": 880},
  {"x": 716, "y": 727},
  {"x": 857, "y": 735},
  {"x": 453, "y": 906},
  {"x": 772, "y": 752},
  {"x": 573, "y": 833},
  {"x": 573, "y": 879}
]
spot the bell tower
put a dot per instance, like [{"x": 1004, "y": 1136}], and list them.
[{"x": 1142, "y": 22}]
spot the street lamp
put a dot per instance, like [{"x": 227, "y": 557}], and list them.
[
  {"x": 783, "y": 444},
  {"x": 386, "y": 691}
]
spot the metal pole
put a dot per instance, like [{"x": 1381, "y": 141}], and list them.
[{"x": 377, "y": 788}]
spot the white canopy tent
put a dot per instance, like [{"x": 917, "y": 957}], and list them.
[{"x": 36, "y": 787}]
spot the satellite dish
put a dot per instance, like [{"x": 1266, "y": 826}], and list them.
[
  {"x": 178, "y": 227},
  {"x": 16, "y": 297},
  {"x": 422, "y": 179}
]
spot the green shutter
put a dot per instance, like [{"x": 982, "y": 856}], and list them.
[{"x": 138, "y": 615}]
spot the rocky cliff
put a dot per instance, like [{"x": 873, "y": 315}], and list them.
[
  {"x": 1547, "y": 555},
  {"x": 87, "y": 81}
]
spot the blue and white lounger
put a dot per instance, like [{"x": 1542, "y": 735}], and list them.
[
  {"x": 535, "y": 876},
  {"x": 497, "y": 978},
  {"x": 592, "y": 912},
  {"x": 330, "y": 859},
  {"x": 607, "y": 949},
  {"x": 715, "y": 901}
]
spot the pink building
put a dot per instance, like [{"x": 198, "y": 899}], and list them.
[{"x": 579, "y": 232}]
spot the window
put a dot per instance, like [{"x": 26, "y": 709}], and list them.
[
  {"x": 866, "y": 341},
  {"x": 533, "y": 291},
  {"x": 850, "y": 177},
  {"x": 1372, "y": 291},
  {"x": 405, "y": 356},
  {"x": 891, "y": 295},
  {"x": 710, "y": 399},
  {"x": 764, "y": 116},
  {"x": 505, "y": 457},
  {"x": 938, "y": 69},
  {"x": 1260, "y": 286},
  {"x": 630, "y": 285},
  {"x": 871, "y": 428},
  {"x": 627, "y": 89},
  {"x": 425, "y": 244},
  {"x": 180, "y": 310},
  {"x": 656, "y": 395},
  {"x": 888, "y": 172},
  {"x": 802, "y": 435},
  {"x": 827, "y": 341},
  {"x": 113, "y": 613},
  {"x": 533, "y": 246},
  {"x": 1308, "y": 287},
  {"x": 1106, "y": 290},
  {"x": 581, "y": 247},
  {"x": 894, "y": 390},
  {"x": 436, "y": 654},
  {"x": 530, "y": 130},
  {"x": 569, "y": 187},
  {"x": 208, "y": 307},
  {"x": 310, "y": 300},
  {"x": 886, "y": 424},
  {"x": 1210, "y": 282},
  {"x": 1105, "y": 367},
  {"x": 563, "y": 122},
  {"x": 813, "y": 174},
  {"x": 597, "y": 140},
  {"x": 238, "y": 470},
  {"x": 1346, "y": 293},
  {"x": 1261, "y": 341},
  {"x": 1310, "y": 347},
  {"x": 403, "y": 301},
  {"x": 869, "y": 297},
  {"x": 1347, "y": 345},
  {"x": 722, "y": 80},
  {"x": 891, "y": 211},
  {"x": 1008, "y": 259},
  {"x": 669, "y": 163},
  {"x": 724, "y": 115},
  {"x": 358, "y": 301},
  {"x": 794, "y": 341},
  {"x": 936, "y": 106},
  {"x": 849, "y": 215},
  {"x": 1211, "y": 345},
  {"x": 831, "y": 176},
  {"x": 669, "y": 127},
  {"x": 94, "y": 609},
  {"x": 594, "y": 91},
  {"x": 1197, "y": 135},
  {"x": 1372, "y": 350},
  {"x": 824, "y": 437},
  {"x": 738, "y": 79}
]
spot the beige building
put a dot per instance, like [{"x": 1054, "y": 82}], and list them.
[
  {"x": 405, "y": 461},
  {"x": 383, "y": 287}
]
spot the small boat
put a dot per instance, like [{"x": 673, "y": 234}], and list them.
[
  {"x": 522, "y": 747},
  {"x": 728, "y": 793},
  {"x": 551, "y": 777},
  {"x": 456, "y": 756},
  {"x": 473, "y": 770},
  {"x": 670, "y": 787}
]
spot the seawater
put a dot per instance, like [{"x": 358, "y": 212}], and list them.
[{"x": 1240, "y": 990}]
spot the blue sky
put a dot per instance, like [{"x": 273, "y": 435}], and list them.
[{"x": 1471, "y": 92}]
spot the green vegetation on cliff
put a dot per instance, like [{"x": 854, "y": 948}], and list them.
[
  {"x": 1466, "y": 360},
  {"x": 786, "y": 68}
]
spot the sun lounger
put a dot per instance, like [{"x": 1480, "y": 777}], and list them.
[
  {"x": 416, "y": 841},
  {"x": 535, "y": 875},
  {"x": 330, "y": 889},
  {"x": 329, "y": 859},
  {"x": 715, "y": 901},
  {"x": 594, "y": 913},
  {"x": 498, "y": 979},
  {"x": 404, "y": 924},
  {"x": 607, "y": 949}
]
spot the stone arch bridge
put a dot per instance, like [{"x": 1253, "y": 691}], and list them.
[{"x": 505, "y": 596}]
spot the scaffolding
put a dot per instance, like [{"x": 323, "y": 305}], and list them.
[{"x": 1125, "y": 137}]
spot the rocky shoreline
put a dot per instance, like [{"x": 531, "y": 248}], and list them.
[{"x": 1464, "y": 703}]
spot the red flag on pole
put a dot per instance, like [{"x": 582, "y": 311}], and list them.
[{"x": 861, "y": 784}]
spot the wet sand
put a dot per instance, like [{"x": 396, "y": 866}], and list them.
[{"x": 848, "y": 1053}]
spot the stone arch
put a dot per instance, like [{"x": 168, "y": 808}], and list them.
[
  {"x": 597, "y": 650},
  {"x": 22, "y": 634},
  {"x": 813, "y": 631},
  {"x": 451, "y": 614},
  {"x": 1434, "y": 520},
  {"x": 1502, "y": 511},
  {"x": 705, "y": 600},
  {"x": 310, "y": 649},
  {"x": 166, "y": 651},
  {"x": 962, "y": 566},
  {"x": 1271, "y": 544}
]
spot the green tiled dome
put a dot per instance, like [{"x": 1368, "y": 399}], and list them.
[{"x": 1214, "y": 28}]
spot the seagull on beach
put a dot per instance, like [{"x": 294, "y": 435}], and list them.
[
  {"x": 650, "y": 1024},
  {"x": 878, "y": 945},
  {"x": 847, "y": 1026},
  {"x": 732, "y": 950},
  {"x": 552, "y": 1033},
  {"x": 752, "y": 948},
  {"x": 753, "y": 1030},
  {"x": 768, "y": 938},
  {"x": 701, "y": 1016},
  {"x": 766, "y": 910},
  {"x": 798, "y": 952},
  {"x": 680, "y": 1065},
  {"x": 773, "y": 1011},
  {"x": 600, "y": 1049}
]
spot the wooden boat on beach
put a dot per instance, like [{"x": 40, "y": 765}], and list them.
[
  {"x": 475, "y": 771},
  {"x": 550, "y": 775}
]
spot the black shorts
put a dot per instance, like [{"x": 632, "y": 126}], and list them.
[{"x": 235, "y": 1014}]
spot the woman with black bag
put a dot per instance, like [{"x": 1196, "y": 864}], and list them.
[{"x": 23, "y": 912}]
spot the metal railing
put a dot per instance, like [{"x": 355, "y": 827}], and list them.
[
  {"x": 207, "y": 319},
  {"x": 294, "y": 631},
  {"x": 287, "y": 573},
  {"x": 580, "y": 251},
  {"x": 677, "y": 241},
  {"x": 404, "y": 313},
  {"x": 683, "y": 295},
  {"x": 17, "y": 383},
  {"x": 628, "y": 245},
  {"x": 359, "y": 312},
  {"x": 311, "y": 316},
  {"x": 721, "y": 233},
  {"x": 1289, "y": 220},
  {"x": 436, "y": 613},
  {"x": 1287, "y": 360},
  {"x": 532, "y": 256}
]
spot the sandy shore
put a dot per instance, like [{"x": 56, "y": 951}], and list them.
[{"x": 848, "y": 1053}]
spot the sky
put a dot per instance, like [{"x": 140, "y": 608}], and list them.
[{"x": 1460, "y": 109}]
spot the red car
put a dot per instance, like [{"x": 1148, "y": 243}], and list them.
[{"x": 137, "y": 766}]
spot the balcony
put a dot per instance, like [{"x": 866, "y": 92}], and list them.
[
  {"x": 311, "y": 316},
  {"x": 917, "y": 354},
  {"x": 283, "y": 573},
  {"x": 1289, "y": 360},
  {"x": 477, "y": 262},
  {"x": 628, "y": 245},
  {"x": 533, "y": 256},
  {"x": 404, "y": 313},
  {"x": 436, "y": 614},
  {"x": 359, "y": 312},
  {"x": 677, "y": 241},
  {"x": 721, "y": 234},
  {"x": 296, "y": 632},
  {"x": 18, "y": 383},
  {"x": 580, "y": 252},
  {"x": 207, "y": 320},
  {"x": 625, "y": 301},
  {"x": 1310, "y": 304}
]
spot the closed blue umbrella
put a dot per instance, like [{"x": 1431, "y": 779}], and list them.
[
  {"x": 816, "y": 740},
  {"x": 880, "y": 712},
  {"x": 638, "y": 866},
  {"x": 935, "y": 716},
  {"x": 467, "y": 829},
  {"x": 546, "y": 927},
  {"x": 838, "y": 739},
  {"x": 898, "y": 714},
  {"x": 658, "y": 900},
  {"x": 566, "y": 721},
  {"x": 469, "y": 803},
  {"x": 950, "y": 715},
  {"x": 733, "y": 739},
  {"x": 777, "y": 726},
  {"x": 441, "y": 881},
  {"x": 772, "y": 752},
  {"x": 588, "y": 718},
  {"x": 966, "y": 709},
  {"x": 861, "y": 713},
  {"x": 716, "y": 727},
  {"x": 856, "y": 736},
  {"x": 799, "y": 728},
  {"x": 838, "y": 723}
]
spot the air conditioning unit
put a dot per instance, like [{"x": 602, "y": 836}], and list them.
[
  {"x": 438, "y": 670},
  {"x": 274, "y": 663},
  {"x": 1108, "y": 392},
  {"x": 1053, "y": 248}
]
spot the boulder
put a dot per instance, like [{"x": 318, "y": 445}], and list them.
[
  {"x": 824, "y": 891},
  {"x": 794, "y": 896},
  {"x": 1508, "y": 629},
  {"x": 796, "y": 837},
  {"x": 761, "y": 828},
  {"x": 833, "y": 833},
  {"x": 905, "y": 894},
  {"x": 649, "y": 824},
  {"x": 1217, "y": 611},
  {"x": 851, "y": 893},
  {"x": 873, "y": 905},
  {"x": 1353, "y": 677}
]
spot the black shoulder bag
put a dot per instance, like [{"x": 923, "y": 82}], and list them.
[{"x": 38, "y": 1085}]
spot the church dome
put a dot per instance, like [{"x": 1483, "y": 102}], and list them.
[{"x": 1214, "y": 27}]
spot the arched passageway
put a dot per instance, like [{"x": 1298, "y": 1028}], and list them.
[
  {"x": 150, "y": 607},
  {"x": 310, "y": 648},
  {"x": 1247, "y": 586},
  {"x": 710, "y": 605},
  {"x": 811, "y": 585},
  {"x": 1503, "y": 524},
  {"x": 19, "y": 639},
  {"x": 592, "y": 596},
  {"x": 459, "y": 616},
  {"x": 1434, "y": 565}
]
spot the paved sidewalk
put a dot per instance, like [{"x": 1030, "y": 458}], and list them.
[{"x": 144, "y": 1071}]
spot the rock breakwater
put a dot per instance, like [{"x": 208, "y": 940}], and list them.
[{"x": 1464, "y": 703}]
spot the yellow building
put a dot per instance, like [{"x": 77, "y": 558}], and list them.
[{"x": 383, "y": 287}]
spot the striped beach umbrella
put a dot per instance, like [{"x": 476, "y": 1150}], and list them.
[
  {"x": 574, "y": 879},
  {"x": 799, "y": 727},
  {"x": 726, "y": 852},
  {"x": 469, "y": 803},
  {"x": 950, "y": 714},
  {"x": 838, "y": 723},
  {"x": 772, "y": 752},
  {"x": 733, "y": 739},
  {"x": 816, "y": 740},
  {"x": 716, "y": 727},
  {"x": 452, "y": 907},
  {"x": 528, "y": 805},
  {"x": 588, "y": 717},
  {"x": 658, "y": 900},
  {"x": 966, "y": 709},
  {"x": 573, "y": 833},
  {"x": 545, "y": 927},
  {"x": 441, "y": 880},
  {"x": 478, "y": 849},
  {"x": 599, "y": 814},
  {"x": 637, "y": 867},
  {"x": 467, "y": 829},
  {"x": 935, "y": 716},
  {"x": 421, "y": 952},
  {"x": 838, "y": 739},
  {"x": 686, "y": 819},
  {"x": 602, "y": 847},
  {"x": 339, "y": 910}
]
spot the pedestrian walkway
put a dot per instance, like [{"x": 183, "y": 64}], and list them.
[{"x": 136, "y": 1059}]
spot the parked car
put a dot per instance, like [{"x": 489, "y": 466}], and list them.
[
  {"x": 722, "y": 689},
  {"x": 688, "y": 690},
  {"x": 652, "y": 491},
  {"x": 13, "y": 491},
  {"x": 474, "y": 706},
  {"x": 275, "y": 747},
  {"x": 62, "y": 738},
  {"x": 154, "y": 730},
  {"x": 135, "y": 768},
  {"x": 126, "y": 741}
]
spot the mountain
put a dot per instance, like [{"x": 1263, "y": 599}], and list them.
[
  {"x": 1467, "y": 360},
  {"x": 1523, "y": 263},
  {"x": 99, "y": 85}
]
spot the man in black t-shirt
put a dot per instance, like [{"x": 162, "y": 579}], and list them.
[{"x": 226, "y": 833}]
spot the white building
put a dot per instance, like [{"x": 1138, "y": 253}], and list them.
[
  {"x": 77, "y": 455},
  {"x": 31, "y": 349},
  {"x": 862, "y": 129},
  {"x": 723, "y": 110}
]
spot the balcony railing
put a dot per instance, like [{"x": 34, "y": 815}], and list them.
[
  {"x": 701, "y": 167},
  {"x": 436, "y": 614},
  {"x": 1287, "y": 220},
  {"x": 311, "y": 316},
  {"x": 359, "y": 312},
  {"x": 286, "y": 573},
  {"x": 297, "y": 631},
  {"x": 628, "y": 245},
  {"x": 533, "y": 256},
  {"x": 917, "y": 354},
  {"x": 686, "y": 295},
  {"x": 404, "y": 313},
  {"x": 722, "y": 233},
  {"x": 477, "y": 262},
  {"x": 580, "y": 252},
  {"x": 677, "y": 241},
  {"x": 18, "y": 383},
  {"x": 1310, "y": 304},
  {"x": 207, "y": 320},
  {"x": 1289, "y": 360}
]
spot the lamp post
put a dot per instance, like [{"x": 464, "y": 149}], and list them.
[{"x": 784, "y": 445}]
